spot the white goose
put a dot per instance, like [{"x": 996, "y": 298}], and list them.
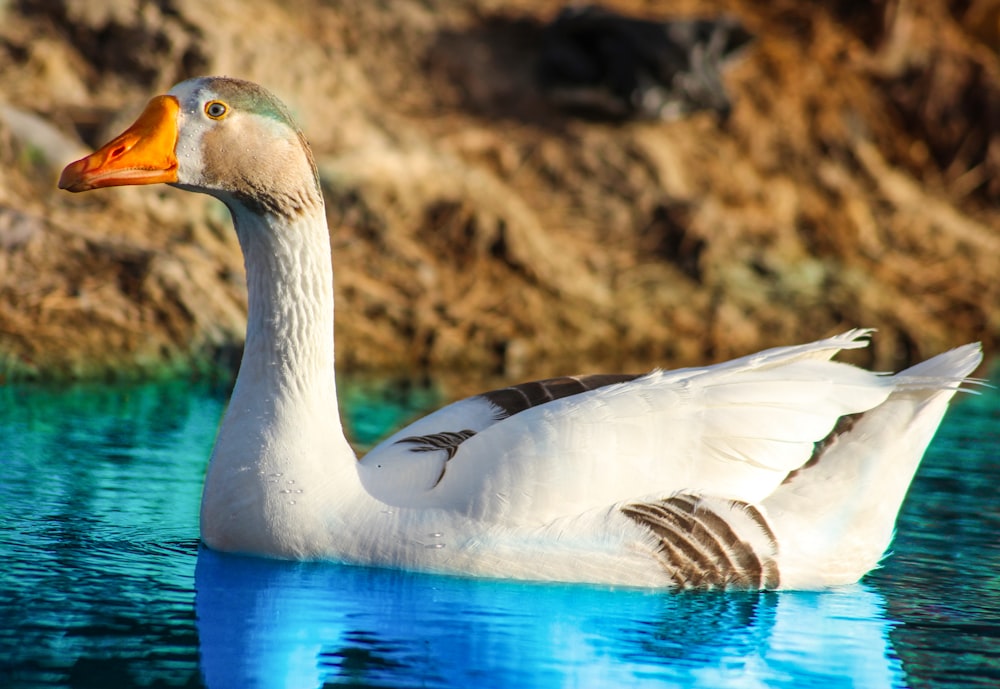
[{"x": 782, "y": 469}]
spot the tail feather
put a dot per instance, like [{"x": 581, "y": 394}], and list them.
[
  {"x": 835, "y": 518},
  {"x": 950, "y": 370}
]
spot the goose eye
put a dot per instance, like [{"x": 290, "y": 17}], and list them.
[{"x": 216, "y": 109}]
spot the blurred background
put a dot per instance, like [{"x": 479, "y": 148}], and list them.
[{"x": 521, "y": 189}]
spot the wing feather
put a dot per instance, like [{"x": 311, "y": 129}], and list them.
[{"x": 732, "y": 431}]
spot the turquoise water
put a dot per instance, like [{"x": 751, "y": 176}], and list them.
[{"x": 103, "y": 583}]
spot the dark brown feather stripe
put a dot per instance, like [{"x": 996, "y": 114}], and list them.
[
  {"x": 712, "y": 535},
  {"x": 447, "y": 441},
  {"x": 844, "y": 425},
  {"x": 516, "y": 398},
  {"x": 679, "y": 552},
  {"x": 699, "y": 549},
  {"x": 511, "y": 400},
  {"x": 771, "y": 577}
]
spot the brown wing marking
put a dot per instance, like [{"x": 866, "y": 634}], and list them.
[
  {"x": 843, "y": 426},
  {"x": 699, "y": 549},
  {"x": 510, "y": 401},
  {"x": 448, "y": 441},
  {"x": 516, "y": 398}
]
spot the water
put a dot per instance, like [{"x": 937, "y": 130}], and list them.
[{"x": 103, "y": 583}]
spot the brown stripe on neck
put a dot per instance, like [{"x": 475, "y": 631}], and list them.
[{"x": 516, "y": 398}]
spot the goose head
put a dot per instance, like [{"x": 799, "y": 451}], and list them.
[
  {"x": 225, "y": 137},
  {"x": 235, "y": 141}
]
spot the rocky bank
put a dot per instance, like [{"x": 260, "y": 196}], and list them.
[{"x": 855, "y": 183}]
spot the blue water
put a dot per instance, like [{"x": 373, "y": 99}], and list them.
[{"x": 103, "y": 583}]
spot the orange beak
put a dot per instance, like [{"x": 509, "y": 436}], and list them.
[{"x": 143, "y": 154}]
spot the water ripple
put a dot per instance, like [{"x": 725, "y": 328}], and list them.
[{"x": 104, "y": 583}]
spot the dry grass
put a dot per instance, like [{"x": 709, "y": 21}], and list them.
[{"x": 474, "y": 226}]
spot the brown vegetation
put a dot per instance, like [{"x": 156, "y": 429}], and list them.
[{"x": 856, "y": 183}]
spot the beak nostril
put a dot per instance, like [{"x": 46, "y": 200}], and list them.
[{"x": 118, "y": 151}]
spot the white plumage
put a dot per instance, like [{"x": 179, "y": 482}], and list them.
[{"x": 779, "y": 469}]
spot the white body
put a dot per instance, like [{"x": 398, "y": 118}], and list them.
[{"x": 780, "y": 469}]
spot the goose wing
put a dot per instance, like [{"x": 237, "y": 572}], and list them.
[{"x": 538, "y": 451}]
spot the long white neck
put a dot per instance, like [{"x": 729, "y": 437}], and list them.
[
  {"x": 289, "y": 343},
  {"x": 281, "y": 444}
]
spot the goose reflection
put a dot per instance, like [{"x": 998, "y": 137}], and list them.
[{"x": 277, "y": 624}]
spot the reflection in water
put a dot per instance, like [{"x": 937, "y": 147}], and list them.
[
  {"x": 275, "y": 624},
  {"x": 945, "y": 571},
  {"x": 98, "y": 544}
]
